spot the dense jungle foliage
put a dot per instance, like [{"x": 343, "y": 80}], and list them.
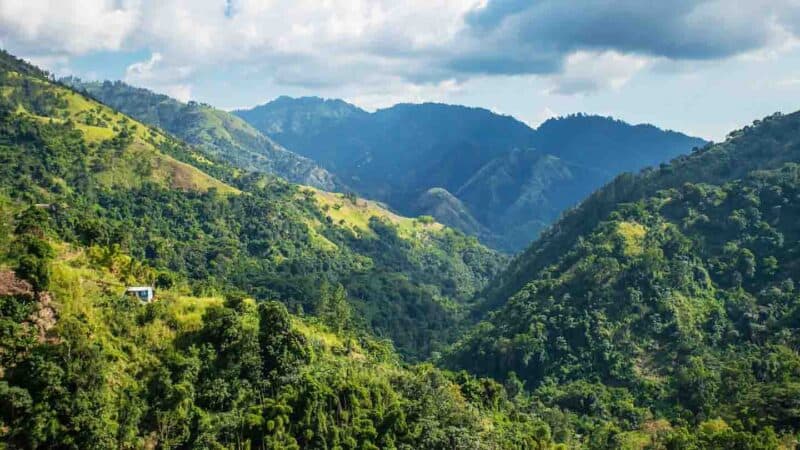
[
  {"x": 114, "y": 184},
  {"x": 187, "y": 372},
  {"x": 680, "y": 306},
  {"x": 660, "y": 314}
]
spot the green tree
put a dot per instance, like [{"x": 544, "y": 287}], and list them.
[{"x": 333, "y": 307}]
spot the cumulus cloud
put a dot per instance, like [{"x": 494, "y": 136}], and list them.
[
  {"x": 153, "y": 74},
  {"x": 72, "y": 27},
  {"x": 596, "y": 45},
  {"x": 143, "y": 69},
  {"x": 587, "y": 72}
]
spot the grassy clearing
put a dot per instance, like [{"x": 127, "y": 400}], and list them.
[
  {"x": 318, "y": 240},
  {"x": 326, "y": 343},
  {"x": 141, "y": 161},
  {"x": 185, "y": 176},
  {"x": 357, "y": 214},
  {"x": 188, "y": 311},
  {"x": 319, "y": 337},
  {"x": 93, "y": 134}
]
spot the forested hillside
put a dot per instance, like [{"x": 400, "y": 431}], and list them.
[
  {"x": 120, "y": 186},
  {"x": 85, "y": 367},
  {"x": 511, "y": 180},
  {"x": 661, "y": 313},
  {"x": 92, "y": 201},
  {"x": 213, "y": 131},
  {"x": 766, "y": 144},
  {"x": 665, "y": 300}
]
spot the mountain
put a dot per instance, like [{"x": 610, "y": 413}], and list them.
[
  {"x": 665, "y": 298},
  {"x": 393, "y": 147},
  {"x": 213, "y": 131},
  {"x": 437, "y": 202},
  {"x": 291, "y": 120},
  {"x": 511, "y": 179},
  {"x": 610, "y": 145},
  {"x": 92, "y": 201},
  {"x": 660, "y": 313},
  {"x": 522, "y": 191},
  {"x": 218, "y": 228}
]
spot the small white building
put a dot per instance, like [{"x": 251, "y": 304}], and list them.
[{"x": 145, "y": 294}]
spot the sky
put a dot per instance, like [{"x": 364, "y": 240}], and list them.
[{"x": 704, "y": 67}]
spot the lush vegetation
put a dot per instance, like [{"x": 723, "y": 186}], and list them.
[
  {"x": 116, "y": 185},
  {"x": 84, "y": 367},
  {"x": 766, "y": 144},
  {"x": 491, "y": 175},
  {"x": 662, "y": 313},
  {"x": 677, "y": 311}
]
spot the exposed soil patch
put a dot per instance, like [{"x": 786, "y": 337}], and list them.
[
  {"x": 10, "y": 285},
  {"x": 44, "y": 318},
  {"x": 182, "y": 178}
]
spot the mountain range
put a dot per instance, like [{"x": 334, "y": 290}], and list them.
[
  {"x": 661, "y": 312},
  {"x": 487, "y": 174}
]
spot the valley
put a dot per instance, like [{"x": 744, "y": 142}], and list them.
[{"x": 425, "y": 276}]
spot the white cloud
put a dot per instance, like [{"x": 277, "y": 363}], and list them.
[
  {"x": 587, "y": 72},
  {"x": 160, "y": 77},
  {"x": 67, "y": 27},
  {"x": 406, "y": 45},
  {"x": 399, "y": 91},
  {"x": 143, "y": 70},
  {"x": 298, "y": 42},
  {"x": 182, "y": 92}
]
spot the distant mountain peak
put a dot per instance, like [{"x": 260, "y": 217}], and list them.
[{"x": 304, "y": 101}]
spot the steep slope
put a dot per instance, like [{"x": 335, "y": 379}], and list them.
[
  {"x": 523, "y": 191},
  {"x": 674, "y": 290},
  {"x": 397, "y": 154},
  {"x": 118, "y": 185},
  {"x": 215, "y": 132},
  {"x": 117, "y": 152}
]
